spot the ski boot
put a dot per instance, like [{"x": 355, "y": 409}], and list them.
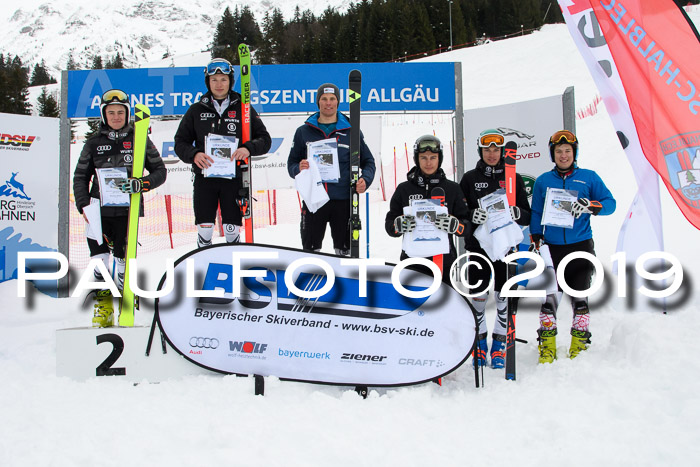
[
  {"x": 498, "y": 351},
  {"x": 103, "y": 316},
  {"x": 548, "y": 345},
  {"x": 579, "y": 342},
  {"x": 482, "y": 347}
]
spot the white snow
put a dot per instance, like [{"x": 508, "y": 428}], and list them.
[{"x": 631, "y": 399}]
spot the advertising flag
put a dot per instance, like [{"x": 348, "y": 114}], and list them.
[{"x": 643, "y": 57}]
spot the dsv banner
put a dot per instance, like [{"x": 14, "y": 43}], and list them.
[{"x": 360, "y": 329}]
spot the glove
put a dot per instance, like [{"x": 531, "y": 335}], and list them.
[
  {"x": 449, "y": 224},
  {"x": 135, "y": 185},
  {"x": 479, "y": 216},
  {"x": 585, "y": 206},
  {"x": 404, "y": 224},
  {"x": 515, "y": 212},
  {"x": 536, "y": 241}
]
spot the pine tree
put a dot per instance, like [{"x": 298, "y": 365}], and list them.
[
  {"x": 97, "y": 63},
  {"x": 71, "y": 63},
  {"x": 225, "y": 44},
  {"x": 93, "y": 126},
  {"x": 248, "y": 30},
  {"x": 48, "y": 107},
  {"x": 14, "y": 80},
  {"x": 40, "y": 76}
]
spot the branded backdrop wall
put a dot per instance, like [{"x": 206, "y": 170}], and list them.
[{"x": 28, "y": 191}]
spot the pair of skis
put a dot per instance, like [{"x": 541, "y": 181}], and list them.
[{"x": 244, "y": 195}]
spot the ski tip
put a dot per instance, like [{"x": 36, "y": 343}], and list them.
[
  {"x": 141, "y": 112},
  {"x": 355, "y": 75},
  {"x": 512, "y": 145}
]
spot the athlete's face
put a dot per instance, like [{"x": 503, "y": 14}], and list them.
[
  {"x": 428, "y": 162},
  {"x": 564, "y": 156},
  {"x": 328, "y": 106},
  {"x": 116, "y": 116},
  {"x": 491, "y": 155},
  {"x": 219, "y": 85}
]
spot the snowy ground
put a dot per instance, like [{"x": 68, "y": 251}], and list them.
[{"x": 630, "y": 400}]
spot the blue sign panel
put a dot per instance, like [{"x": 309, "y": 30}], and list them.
[{"x": 408, "y": 87}]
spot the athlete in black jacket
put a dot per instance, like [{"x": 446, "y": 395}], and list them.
[
  {"x": 219, "y": 112},
  {"x": 487, "y": 177},
  {"x": 112, "y": 146},
  {"x": 421, "y": 179}
]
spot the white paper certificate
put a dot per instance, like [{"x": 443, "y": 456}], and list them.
[
  {"x": 220, "y": 148},
  {"x": 325, "y": 154},
  {"x": 109, "y": 180},
  {"x": 426, "y": 239},
  {"x": 557, "y": 207},
  {"x": 496, "y": 205}
]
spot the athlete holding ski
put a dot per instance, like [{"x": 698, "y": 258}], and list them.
[
  {"x": 329, "y": 123},
  {"x": 112, "y": 147},
  {"x": 421, "y": 180},
  {"x": 218, "y": 112},
  {"x": 487, "y": 177},
  {"x": 590, "y": 197}
]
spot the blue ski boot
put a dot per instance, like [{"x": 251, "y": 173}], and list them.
[{"x": 498, "y": 351}]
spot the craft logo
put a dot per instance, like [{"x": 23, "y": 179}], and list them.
[
  {"x": 16, "y": 142},
  {"x": 421, "y": 362},
  {"x": 127, "y": 144},
  {"x": 19, "y": 209},
  {"x": 682, "y": 156},
  {"x": 247, "y": 349}
]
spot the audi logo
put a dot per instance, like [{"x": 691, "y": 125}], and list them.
[
  {"x": 232, "y": 127},
  {"x": 206, "y": 115},
  {"x": 104, "y": 148},
  {"x": 204, "y": 342},
  {"x": 478, "y": 186},
  {"x": 415, "y": 196}
]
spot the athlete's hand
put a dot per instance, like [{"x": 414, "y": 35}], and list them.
[
  {"x": 240, "y": 154},
  {"x": 479, "y": 216},
  {"x": 202, "y": 161},
  {"x": 303, "y": 165},
  {"x": 135, "y": 185},
  {"x": 404, "y": 224},
  {"x": 361, "y": 185},
  {"x": 449, "y": 224}
]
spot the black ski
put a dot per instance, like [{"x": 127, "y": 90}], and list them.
[
  {"x": 438, "y": 193},
  {"x": 510, "y": 152},
  {"x": 354, "y": 97}
]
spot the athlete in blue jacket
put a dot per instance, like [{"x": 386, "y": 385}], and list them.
[
  {"x": 593, "y": 198},
  {"x": 325, "y": 124}
]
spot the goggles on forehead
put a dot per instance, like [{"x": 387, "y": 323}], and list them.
[
  {"x": 115, "y": 95},
  {"x": 493, "y": 138},
  {"x": 565, "y": 135},
  {"x": 219, "y": 67},
  {"x": 429, "y": 145}
]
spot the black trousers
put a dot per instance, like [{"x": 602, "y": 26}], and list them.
[
  {"x": 210, "y": 193},
  {"x": 115, "y": 229},
  {"x": 335, "y": 212},
  {"x": 579, "y": 271}
]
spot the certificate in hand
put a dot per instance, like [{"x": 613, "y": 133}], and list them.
[
  {"x": 496, "y": 205},
  {"x": 109, "y": 180},
  {"x": 426, "y": 240},
  {"x": 220, "y": 148},
  {"x": 325, "y": 154},
  {"x": 557, "y": 207}
]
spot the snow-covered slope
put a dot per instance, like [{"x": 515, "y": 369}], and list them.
[
  {"x": 631, "y": 399},
  {"x": 141, "y": 30}
]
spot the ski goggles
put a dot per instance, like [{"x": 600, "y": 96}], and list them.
[
  {"x": 218, "y": 67},
  {"x": 492, "y": 138},
  {"x": 429, "y": 145},
  {"x": 565, "y": 135},
  {"x": 115, "y": 96}
]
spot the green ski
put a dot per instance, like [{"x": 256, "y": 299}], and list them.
[
  {"x": 245, "y": 194},
  {"x": 142, "y": 120}
]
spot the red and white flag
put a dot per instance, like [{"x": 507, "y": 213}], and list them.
[{"x": 643, "y": 57}]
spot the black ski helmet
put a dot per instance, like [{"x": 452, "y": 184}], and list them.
[
  {"x": 114, "y": 96},
  {"x": 427, "y": 143},
  {"x": 218, "y": 65},
  {"x": 487, "y": 138},
  {"x": 561, "y": 137}
]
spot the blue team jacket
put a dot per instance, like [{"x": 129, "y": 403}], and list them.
[{"x": 588, "y": 185}]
